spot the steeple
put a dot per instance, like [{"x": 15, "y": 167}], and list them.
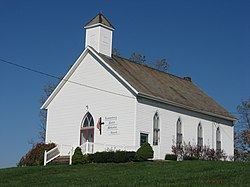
[{"x": 99, "y": 34}]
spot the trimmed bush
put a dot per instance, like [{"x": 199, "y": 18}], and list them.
[
  {"x": 171, "y": 157},
  {"x": 78, "y": 157},
  {"x": 36, "y": 155},
  {"x": 190, "y": 158},
  {"x": 91, "y": 158},
  {"x": 120, "y": 157},
  {"x": 110, "y": 156},
  {"x": 144, "y": 152},
  {"x": 103, "y": 157},
  {"x": 130, "y": 156}
]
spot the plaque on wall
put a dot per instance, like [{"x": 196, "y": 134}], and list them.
[{"x": 111, "y": 125}]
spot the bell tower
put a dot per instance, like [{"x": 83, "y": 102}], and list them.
[{"x": 99, "y": 33}]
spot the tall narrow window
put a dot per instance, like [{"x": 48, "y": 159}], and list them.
[
  {"x": 143, "y": 138},
  {"x": 87, "y": 129},
  {"x": 179, "y": 133},
  {"x": 156, "y": 129},
  {"x": 218, "y": 139},
  {"x": 199, "y": 134}
]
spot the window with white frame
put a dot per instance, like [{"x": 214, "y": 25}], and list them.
[
  {"x": 218, "y": 139},
  {"x": 143, "y": 138},
  {"x": 87, "y": 129},
  {"x": 88, "y": 121},
  {"x": 178, "y": 133},
  {"x": 200, "y": 137},
  {"x": 156, "y": 129}
]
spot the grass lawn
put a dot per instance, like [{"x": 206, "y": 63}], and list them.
[{"x": 186, "y": 173}]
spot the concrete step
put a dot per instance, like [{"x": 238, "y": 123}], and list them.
[{"x": 61, "y": 160}]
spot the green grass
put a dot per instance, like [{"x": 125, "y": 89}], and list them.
[{"x": 186, "y": 173}]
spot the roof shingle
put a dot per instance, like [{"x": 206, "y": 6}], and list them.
[{"x": 164, "y": 86}]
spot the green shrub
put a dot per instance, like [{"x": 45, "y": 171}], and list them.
[
  {"x": 171, "y": 157},
  {"x": 91, "y": 158},
  {"x": 189, "y": 158},
  {"x": 78, "y": 157},
  {"x": 110, "y": 156},
  {"x": 103, "y": 157},
  {"x": 144, "y": 152},
  {"x": 130, "y": 156},
  {"x": 36, "y": 155},
  {"x": 120, "y": 156},
  {"x": 85, "y": 158}
]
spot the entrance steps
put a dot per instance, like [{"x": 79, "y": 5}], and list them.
[{"x": 61, "y": 160}]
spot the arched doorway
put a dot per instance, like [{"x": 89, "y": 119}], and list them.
[{"x": 87, "y": 129}]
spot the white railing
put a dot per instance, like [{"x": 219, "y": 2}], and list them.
[
  {"x": 51, "y": 155},
  {"x": 65, "y": 150},
  {"x": 90, "y": 147},
  {"x": 71, "y": 155},
  {"x": 59, "y": 150},
  {"x": 87, "y": 147}
]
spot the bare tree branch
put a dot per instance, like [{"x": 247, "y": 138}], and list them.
[{"x": 47, "y": 90}]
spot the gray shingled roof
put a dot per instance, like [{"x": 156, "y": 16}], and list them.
[
  {"x": 99, "y": 18},
  {"x": 155, "y": 83}
]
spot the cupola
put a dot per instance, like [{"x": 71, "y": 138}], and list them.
[{"x": 99, "y": 33}]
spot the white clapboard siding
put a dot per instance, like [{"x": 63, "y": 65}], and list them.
[
  {"x": 107, "y": 98},
  {"x": 101, "y": 94},
  {"x": 168, "y": 117}
]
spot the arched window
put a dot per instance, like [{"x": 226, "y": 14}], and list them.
[
  {"x": 199, "y": 136},
  {"x": 218, "y": 139},
  {"x": 87, "y": 129},
  {"x": 156, "y": 129},
  {"x": 88, "y": 121},
  {"x": 178, "y": 133}
]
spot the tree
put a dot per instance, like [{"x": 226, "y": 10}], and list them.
[
  {"x": 35, "y": 156},
  {"x": 244, "y": 111},
  {"x": 242, "y": 136},
  {"x": 138, "y": 58},
  {"x": 115, "y": 51},
  {"x": 47, "y": 90},
  {"x": 161, "y": 64}
]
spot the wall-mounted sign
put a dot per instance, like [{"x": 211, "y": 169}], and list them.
[{"x": 111, "y": 125}]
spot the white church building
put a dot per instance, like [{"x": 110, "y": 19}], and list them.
[{"x": 107, "y": 102}]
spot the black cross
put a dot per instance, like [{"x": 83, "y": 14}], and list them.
[{"x": 101, "y": 123}]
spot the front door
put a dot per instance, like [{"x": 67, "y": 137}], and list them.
[
  {"x": 87, "y": 135},
  {"x": 87, "y": 129}
]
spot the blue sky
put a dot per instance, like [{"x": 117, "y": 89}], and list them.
[{"x": 206, "y": 40}]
